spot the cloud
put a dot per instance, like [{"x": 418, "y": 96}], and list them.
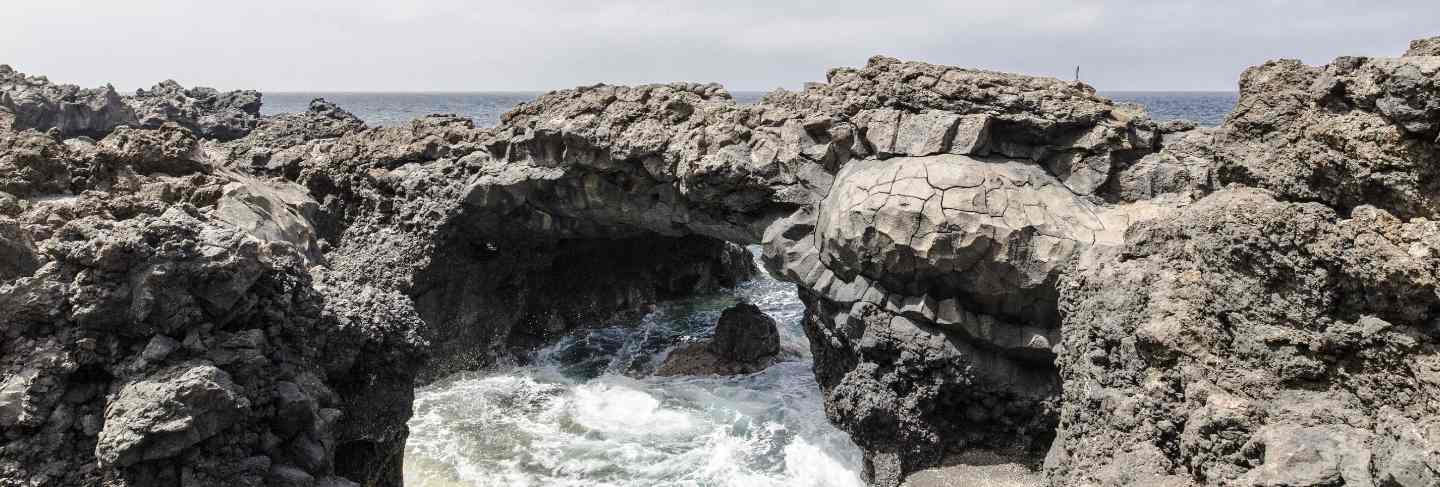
[{"x": 456, "y": 45}]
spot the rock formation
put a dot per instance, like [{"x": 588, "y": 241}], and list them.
[
  {"x": 1141, "y": 304},
  {"x": 33, "y": 102},
  {"x": 1424, "y": 47},
  {"x": 993, "y": 265},
  {"x": 179, "y": 308},
  {"x": 746, "y": 340}
]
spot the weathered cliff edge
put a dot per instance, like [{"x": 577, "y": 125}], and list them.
[{"x": 990, "y": 263}]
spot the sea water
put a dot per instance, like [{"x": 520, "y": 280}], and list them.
[{"x": 588, "y": 412}]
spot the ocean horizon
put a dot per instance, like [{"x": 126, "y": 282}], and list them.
[{"x": 387, "y": 108}]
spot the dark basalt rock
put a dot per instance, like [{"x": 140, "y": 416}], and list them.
[
  {"x": 990, "y": 263},
  {"x": 745, "y": 334},
  {"x": 33, "y": 102},
  {"x": 746, "y": 340}
]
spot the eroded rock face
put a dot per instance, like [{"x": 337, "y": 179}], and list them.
[
  {"x": 1358, "y": 131},
  {"x": 206, "y": 111},
  {"x": 149, "y": 336},
  {"x": 991, "y": 263},
  {"x": 1247, "y": 341},
  {"x": 929, "y": 270},
  {"x": 942, "y": 283},
  {"x": 33, "y": 102}
]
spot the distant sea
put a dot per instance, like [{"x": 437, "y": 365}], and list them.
[{"x": 385, "y": 109}]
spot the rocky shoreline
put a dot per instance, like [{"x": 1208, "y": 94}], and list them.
[{"x": 992, "y": 264}]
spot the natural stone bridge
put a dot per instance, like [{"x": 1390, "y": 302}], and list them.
[{"x": 989, "y": 262}]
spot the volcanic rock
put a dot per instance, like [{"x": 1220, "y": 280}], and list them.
[
  {"x": 989, "y": 262},
  {"x": 746, "y": 340},
  {"x": 1424, "y": 47},
  {"x": 168, "y": 412}
]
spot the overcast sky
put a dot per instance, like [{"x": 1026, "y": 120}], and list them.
[{"x": 457, "y": 45}]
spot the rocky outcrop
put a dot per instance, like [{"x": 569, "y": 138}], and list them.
[
  {"x": 1358, "y": 131},
  {"x": 1275, "y": 336},
  {"x": 33, "y": 102},
  {"x": 1424, "y": 47},
  {"x": 168, "y": 412},
  {"x": 1246, "y": 340},
  {"x": 1001, "y": 298},
  {"x": 184, "y": 309},
  {"x": 205, "y": 111},
  {"x": 929, "y": 270},
  {"x": 746, "y": 340},
  {"x": 993, "y": 265},
  {"x": 161, "y": 325}
]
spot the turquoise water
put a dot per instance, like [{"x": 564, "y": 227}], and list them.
[{"x": 385, "y": 109}]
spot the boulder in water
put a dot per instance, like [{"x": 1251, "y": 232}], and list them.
[{"x": 746, "y": 340}]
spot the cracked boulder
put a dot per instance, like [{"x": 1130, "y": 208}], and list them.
[{"x": 930, "y": 268}]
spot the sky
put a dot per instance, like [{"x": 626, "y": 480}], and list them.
[{"x": 759, "y": 45}]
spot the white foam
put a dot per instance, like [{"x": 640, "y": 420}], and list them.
[{"x": 536, "y": 426}]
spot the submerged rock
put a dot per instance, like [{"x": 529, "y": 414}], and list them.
[
  {"x": 746, "y": 340},
  {"x": 745, "y": 334}
]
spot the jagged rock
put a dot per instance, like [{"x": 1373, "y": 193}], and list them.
[
  {"x": 1424, "y": 47},
  {"x": 138, "y": 294},
  {"x": 920, "y": 109},
  {"x": 168, "y": 412},
  {"x": 18, "y": 256},
  {"x": 901, "y": 281},
  {"x": 31, "y": 164},
  {"x": 1244, "y": 340},
  {"x": 36, "y": 103},
  {"x": 278, "y": 211},
  {"x": 1358, "y": 131},
  {"x": 205, "y": 111},
  {"x": 934, "y": 264},
  {"x": 746, "y": 340},
  {"x": 33, "y": 102},
  {"x": 988, "y": 261}
]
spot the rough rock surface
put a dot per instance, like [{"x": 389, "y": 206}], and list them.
[
  {"x": 991, "y": 263},
  {"x": 746, "y": 340},
  {"x": 1144, "y": 304},
  {"x": 183, "y": 309},
  {"x": 1424, "y": 47},
  {"x": 1358, "y": 131},
  {"x": 929, "y": 270},
  {"x": 33, "y": 102},
  {"x": 1248, "y": 341}
]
